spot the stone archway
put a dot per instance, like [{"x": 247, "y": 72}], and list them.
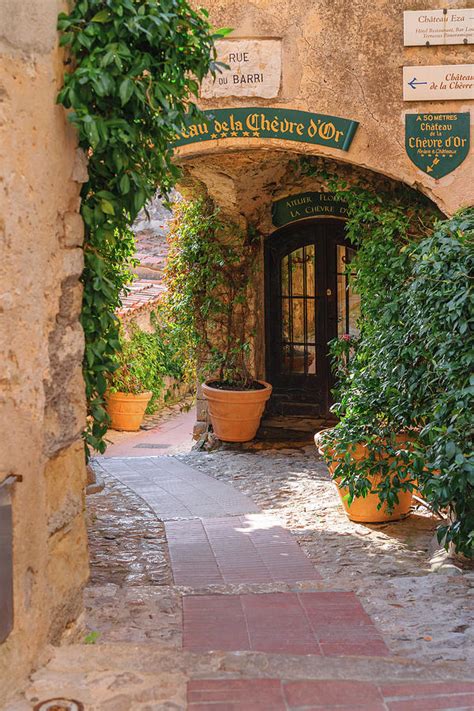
[{"x": 246, "y": 186}]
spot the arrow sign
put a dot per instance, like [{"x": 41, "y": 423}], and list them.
[
  {"x": 443, "y": 82},
  {"x": 413, "y": 83}
]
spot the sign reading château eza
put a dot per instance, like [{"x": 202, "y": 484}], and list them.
[
  {"x": 254, "y": 69},
  {"x": 265, "y": 122},
  {"x": 430, "y": 27},
  {"x": 304, "y": 205},
  {"x": 437, "y": 143},
  {"x": 438, "y": 82}
]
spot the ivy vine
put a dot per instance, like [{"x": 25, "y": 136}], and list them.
[{"x": 135, "y": 65}]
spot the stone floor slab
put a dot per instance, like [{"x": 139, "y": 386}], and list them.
[
  {"x": 326, "y": 695},
  {"x": 235, "y": 549},
  {"x": 176, "y": 491},
  {"x": 235, "y": 695},
  {"x": 280, "y": 623}
]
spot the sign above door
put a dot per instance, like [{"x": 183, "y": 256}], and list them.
[
  {"x": 305, "y": 205},
  {"x": 268, "y": 122}
]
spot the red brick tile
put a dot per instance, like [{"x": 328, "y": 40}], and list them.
[
  {"x": 428, "y": 696},
  {"x": 235, "y": 695},
  {"x": 214, "y": 622},
  {"x": 464, "y": 702},
  {"x": 239, "y": 550},
  {"x": 430, "y": 688},
  {"x": 327, "y": 694},
  {"x": 276, "y": 623}
]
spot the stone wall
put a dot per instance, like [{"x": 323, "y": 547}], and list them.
[
  {"x": 42, "y": 404},
  {"x": 342, "y": 58}
]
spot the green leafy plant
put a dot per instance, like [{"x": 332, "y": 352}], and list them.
[
  {"x": 139, "y": 366},
  {"x": 206, "y": 308},
  {"x": 405, "y": 391},
  {"x": 135, "y": 65}
]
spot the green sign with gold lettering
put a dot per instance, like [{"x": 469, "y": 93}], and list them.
[
  {"x": 304, "y": 205},
  {"x": 265, "y": 122},
  {"x": 437, "y": 143}
]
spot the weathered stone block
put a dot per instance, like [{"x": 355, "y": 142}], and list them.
[
  {"x": 73, "y": 230},
  {"x": 65, "y": 477},
  {"x": 79, "y": 171}
]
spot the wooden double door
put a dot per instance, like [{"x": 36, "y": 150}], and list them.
[{"x": 308, "y": 303}]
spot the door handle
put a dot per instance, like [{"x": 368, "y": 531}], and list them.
[{"x": 328, "y": 292}]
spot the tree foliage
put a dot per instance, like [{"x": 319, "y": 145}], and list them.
[{"x": 135, "y": 66}]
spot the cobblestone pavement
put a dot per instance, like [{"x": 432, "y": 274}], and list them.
[
  {"x": 369, "y": 627},
  {"x": 127, "y": 543},
  {"x": 420, "y": 613}
]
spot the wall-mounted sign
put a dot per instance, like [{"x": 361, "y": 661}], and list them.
[
  {"x": 438, "y": 83},
  {"x": 304, "y": 205},
  {"x": 254, "y": 69},
  {"x": 437, "y": 143},
  {"x": 446, "y": 26},
  {"x": 265, "y": 122}
]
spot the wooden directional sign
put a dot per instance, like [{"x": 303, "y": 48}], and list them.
[
  {"x": 437, "y": 143},
  {"x": 267, "y": 122},
  {"x": 304, "y": 205},
  {"x": 438, "y": 82}
]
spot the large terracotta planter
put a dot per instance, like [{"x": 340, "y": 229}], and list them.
[
  {"x": 236, "y": 414},
  {"x": 126, "y": 410},
  {"x": 364, "y": 509}
]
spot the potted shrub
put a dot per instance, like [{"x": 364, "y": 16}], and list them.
[
  {"x": 210, "y": 266},
  {"x": 236, "y": 402},
  {"x": 136, "y": 382},
  {"x": 371, "y": 464},
  {"x": 373, "y": 476}
]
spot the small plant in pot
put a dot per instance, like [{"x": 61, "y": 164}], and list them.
[
  {"x": 136, "y": 381},
  {"x": 235, "y": 399}
]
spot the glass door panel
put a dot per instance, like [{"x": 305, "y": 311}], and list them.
[
  {"x": 298, "y": 309},
  {"x": 348, "y": 302}
]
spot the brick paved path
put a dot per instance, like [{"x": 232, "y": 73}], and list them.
[{"x": 217, "y": 537}]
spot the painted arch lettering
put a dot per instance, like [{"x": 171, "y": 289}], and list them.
[{"x": 265, "y": 122}]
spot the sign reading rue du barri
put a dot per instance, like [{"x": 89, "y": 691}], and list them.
[{"x": 254, "y": 69}]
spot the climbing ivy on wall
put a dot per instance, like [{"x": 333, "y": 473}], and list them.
[{"x": 134, "y": 66}]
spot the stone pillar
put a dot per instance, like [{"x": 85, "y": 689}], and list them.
[{"x": 42, "y": 403}]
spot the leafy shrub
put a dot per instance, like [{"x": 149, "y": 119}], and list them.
[
  {"x": 405, "y": 390},
  {"x": 139, "y": 366},
  {"x": 208, "y": 272}
]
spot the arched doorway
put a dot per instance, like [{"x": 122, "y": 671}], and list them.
[{"x": 308, "y": 302}]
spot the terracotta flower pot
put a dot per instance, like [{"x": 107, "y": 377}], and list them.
[
  {"x": 364, "y": 509},
  {"x": 127, "y": 410},
  {"x": 236, "y": 414}
]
